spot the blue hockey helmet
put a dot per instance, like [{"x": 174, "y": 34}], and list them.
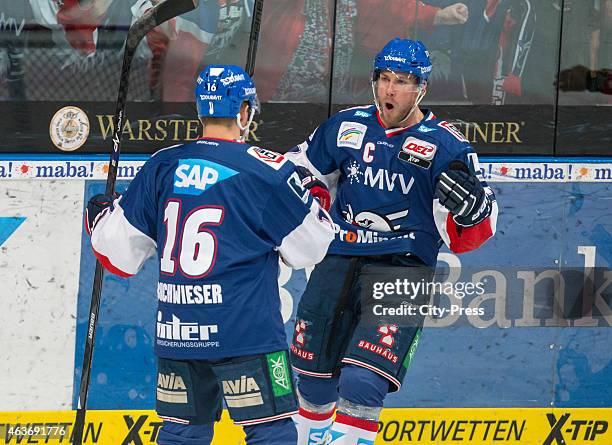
[
  {"x": 221, "y": 90},
  {"x": 405, "y": 56}
]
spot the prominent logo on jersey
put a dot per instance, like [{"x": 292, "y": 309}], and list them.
[
  {"x": 384, "y": 180},
  {"x": 351, "y": 135},
  {"x": 362, "y": 114},
  {"x": 268, "y": 157},
  {"x": 242, "y": 392},
  {"x": 171, "y": 388},
  {"x": 69, "y": 128},
  {"x": 417, "y": 152},
  {"x": 175, "y": 329},
  {"x": 382, "y": 222},
  {"x": 8, "y": 226},
  {"x": 195, "y": 176},
  {"x": 363, "y": 236},
  {"x": 389, "y": 58},
  {"x": 354, "y": 172},
  {"x": 279, "y": 373},
  {"x": 423, "y": 129}
]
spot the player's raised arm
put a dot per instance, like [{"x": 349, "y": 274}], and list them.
[
  {"x": 317, "y": 154},
  {"x": 301, "y": 229},
  {"x": 465, "y": 209}
]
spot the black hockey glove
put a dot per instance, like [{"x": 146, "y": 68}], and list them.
[
  {"x": 460, "y": 191},
  {"x": 313, "y": 184},
  {"x": 97, "y": 207}
]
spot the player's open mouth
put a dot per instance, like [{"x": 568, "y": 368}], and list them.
[{"x": 389, "y": 106}]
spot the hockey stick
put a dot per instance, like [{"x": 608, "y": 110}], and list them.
[
  {"x": 254, "y": 37},
  {"x": 155, "y": 16}
]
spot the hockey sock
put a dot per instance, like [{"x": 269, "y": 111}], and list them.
[
  {"x": 279, "y": 432},
  {"x": 317, "y": 397},
  {"x": 362, "y": 393},
  {"x": 349, "y": 430},
  {"x": 312, "y": 426}
]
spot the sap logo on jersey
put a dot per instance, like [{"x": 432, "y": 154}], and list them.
[
  {"x": 351, "y": 135},
  {"x": 195, "y": 176}
]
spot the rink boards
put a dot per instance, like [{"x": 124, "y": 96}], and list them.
[
  {"x": 555, "y": 214},
  {"x": 511, "y": 426}
]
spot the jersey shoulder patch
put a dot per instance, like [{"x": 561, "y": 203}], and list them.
[
  {"x": 268, "y": 157},
  {"x": 351, "y": 134},
  {"x": 452, "y": 130}
]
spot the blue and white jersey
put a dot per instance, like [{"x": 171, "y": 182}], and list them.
[
  {"x": 384, "y": 181},
  {"x": 218, "y": 213}
]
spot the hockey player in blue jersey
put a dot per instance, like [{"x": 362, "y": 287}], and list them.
[
  {"x": 219, "y": 213},
  {"x": 405, "y": 182}
]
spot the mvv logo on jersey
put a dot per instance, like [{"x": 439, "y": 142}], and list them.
[
  {"x": 351, "y": 135},
  {"x": 242, "y": 392},
  {"x": 171, "y": 388},
  {"x": 195, "y": 176}
]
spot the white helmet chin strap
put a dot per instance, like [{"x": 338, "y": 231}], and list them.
[
  {"x": 416, "y": 104},
  {"x": 245, "y": 129}
]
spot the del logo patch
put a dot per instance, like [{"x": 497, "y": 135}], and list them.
[
  {"x": 273, "y": 159},
  {"x": 195, "y": 176},
  {"x": 417, "y": 152},
  {"x": 351, "y": 135}
]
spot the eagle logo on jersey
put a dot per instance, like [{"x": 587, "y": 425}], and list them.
[
  {"x": 381, "y": 222},
  {"x": 351, "y": 135}
]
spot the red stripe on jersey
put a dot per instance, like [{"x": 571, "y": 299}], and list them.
[
  {"x": 367, "y": 425},
  {"x": 389, "y": 131},
  {"x": 464, "y": 239},
  {"x": 109, "y": 266}
]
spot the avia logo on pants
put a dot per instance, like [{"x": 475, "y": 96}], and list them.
[
  {"x": 242, "y": 392},
  {"x": 171, "y": 388}
]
